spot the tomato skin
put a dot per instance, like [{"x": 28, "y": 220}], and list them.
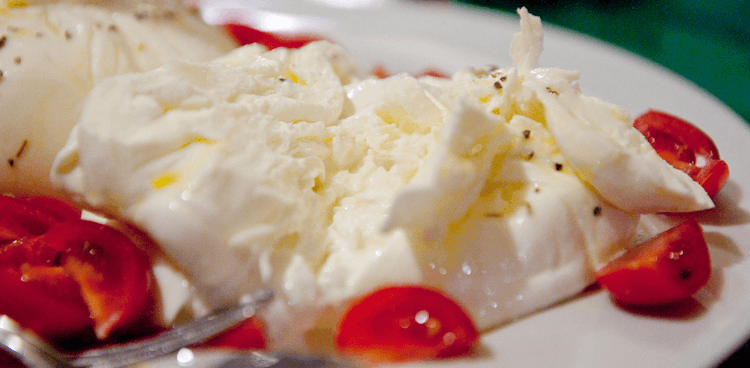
[
  {"x": 402, "y": 323},
  {"x": 713, "y": 176},
  {"x": 29, "y": 216},
  {"x": 666, "y": 268},
  {"x": 245, "y": 35},
  {"x": 57, "y": 208},
  {"x": 683, "y": 145},
  {"x": 114, "y": 276}
]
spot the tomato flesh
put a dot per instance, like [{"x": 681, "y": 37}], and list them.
[
  {"x": 666, "y": 268},
  {"x": 45, "y": 300},
  {"x": 402, "y": 323},
  {"x": 685, "y": 147}
]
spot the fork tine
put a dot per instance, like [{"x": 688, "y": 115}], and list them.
[{"x": 193, "y": 332}]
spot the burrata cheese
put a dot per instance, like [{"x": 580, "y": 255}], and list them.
[
  {"x": 505, "y": 188},
  {"x": 52, "y": 53}
]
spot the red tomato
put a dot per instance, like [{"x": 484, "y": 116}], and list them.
[
  {"x": 28, "y": 216},
  {"x": 114, "y": 275},
  {"x": 405, "y": 323},
  {"x": 685, "y": 147},
  {"x": 432, "y": 73},
  {"x": 45, "y": 300},
  {"x": 9, "y": 361},
  {"x": 64, "y": 275},
  {"x": 666, "y": 268},
  {"x": 250, "y": 334},
  {"x": 245, "y": 35},
  {"x": 58, "y": 208},
  {"x": 380, "y": 71}
]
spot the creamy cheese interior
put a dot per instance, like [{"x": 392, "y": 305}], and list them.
[
  {"x": 503, "y": 187},
  {"x": 52, "y": 53}
]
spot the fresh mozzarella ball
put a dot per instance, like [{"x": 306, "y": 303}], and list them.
[
  {"x": 52, "y": 54},
  {"x": 282, "y": 168}
]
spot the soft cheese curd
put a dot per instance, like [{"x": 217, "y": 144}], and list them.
[
  {"x": 52, "y": 53},
  {"x": 503, "y": 187}
]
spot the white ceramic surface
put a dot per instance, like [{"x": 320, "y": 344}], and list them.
[{"x": 588, "y": 331}]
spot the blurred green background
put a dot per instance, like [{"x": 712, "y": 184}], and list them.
[{"x": 705, "y": 41}]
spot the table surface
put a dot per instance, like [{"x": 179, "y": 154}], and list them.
[{"x": 707, "y": 42}]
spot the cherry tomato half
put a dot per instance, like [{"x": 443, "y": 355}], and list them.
[
  {"x": 66, "y": 278},
  {"x": 403, "y": 323},
  {"x": 114, "y": 275},
  {"x": 666, "y": 268},
  {"x": 685, "y": 147}
]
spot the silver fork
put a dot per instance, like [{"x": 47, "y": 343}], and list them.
[{"x": 26, "y": 346}]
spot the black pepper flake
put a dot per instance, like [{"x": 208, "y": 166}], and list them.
[
  {"x": 492, "y": 215},
  {"x": 537, "y": 190},
  {"x": 282, "y": 79},
  {"x": 552, "y": 91},
  {"x": 68, "y": 35},
  {"x": 17, "y": 60},
  {"x": 140, "y": 15},
  {"x": 527, "y": 133},
  {"x": 19, "y": 153},
  {"x": 686, "y": 273},
  {"x": 530, "y": 155},
  {"x": 3, "y": 38},
  {"x": 597, "y": 211},
  {"x": 498, "y": 85},
  {"x": 503, "y": 78},
  {"x": 112, "y": 28},
  {"x": 558, "y": 167},
  {"x": 1, "y": 75},
  {"x": 22, "y": 148}
]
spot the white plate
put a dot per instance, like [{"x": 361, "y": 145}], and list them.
[{"x": 589, "y": 331}]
